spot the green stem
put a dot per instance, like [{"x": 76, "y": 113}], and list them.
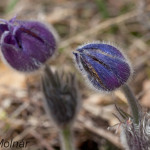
[
  {"x": 66, "y": 139},
  {"x": 133, "y": 103}
]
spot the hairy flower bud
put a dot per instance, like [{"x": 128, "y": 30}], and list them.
[
  {"x": 61, "y": 97},
  {"x": 103, "y": 64},
  {"x": 26, "y": 45},
  {"x": 136, "y": 137}
]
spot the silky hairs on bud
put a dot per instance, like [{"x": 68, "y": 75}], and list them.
[
  {"x": 26, "y": 45},
  {"x": 103, "y": 65},
  {"x": 61, "y": 97},
  {"x": 136, "y": 137}
]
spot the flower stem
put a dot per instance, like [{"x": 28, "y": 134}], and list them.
[
  {"x": 66, "y": 139},
  {"x": 133, "y": 103}
]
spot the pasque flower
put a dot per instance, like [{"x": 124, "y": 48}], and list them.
[
  {"x": 133, "y": 136},
  {"x": 26, "y": 45},
  {"x": 61, "y": 99},
  {"x": 136, "y": 137},
  {"x": 61, "y": 96},
  {"x": 104, "y": 65}
]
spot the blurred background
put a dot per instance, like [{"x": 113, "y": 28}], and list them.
[{"x": 123, "y": 22}]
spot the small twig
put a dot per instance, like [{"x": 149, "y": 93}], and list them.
[
  {"x": 140, "y": 62},
  {"x": 19, "y": 110},
  {"x": 142, "y": 14},
  {"x": 99, "y": 27},
  {"x": 23, "y": 134},
  {"x": 41, "y": 139},
  {"x": 87, "y": 124},
  {"x": 142, "y": 93}
]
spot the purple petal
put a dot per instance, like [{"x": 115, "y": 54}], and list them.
[
  {"x": 17, "y": 58},
  {"x": 3, "y": 28},
  {"x": 105, "y": 76},
  {"x": 40, "y": 30},
  {"x": 118, "y": 66},
  {"x": 105, "y": 48}
]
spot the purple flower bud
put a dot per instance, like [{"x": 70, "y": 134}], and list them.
[
  {"x": 104, "y": 65},
  {"x": 26, "y": 45},
  {"x": 61, "y": 97}
]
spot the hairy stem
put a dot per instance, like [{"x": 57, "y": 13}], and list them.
[
  {"x": 67, "y": 139},
  {"x": 133, "y": 103}
]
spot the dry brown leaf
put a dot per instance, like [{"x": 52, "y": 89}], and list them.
[
  {"x": 145, "y": 101},
  {"x": 10, "y": 79},
  {"x": 99, "y": 99}
]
